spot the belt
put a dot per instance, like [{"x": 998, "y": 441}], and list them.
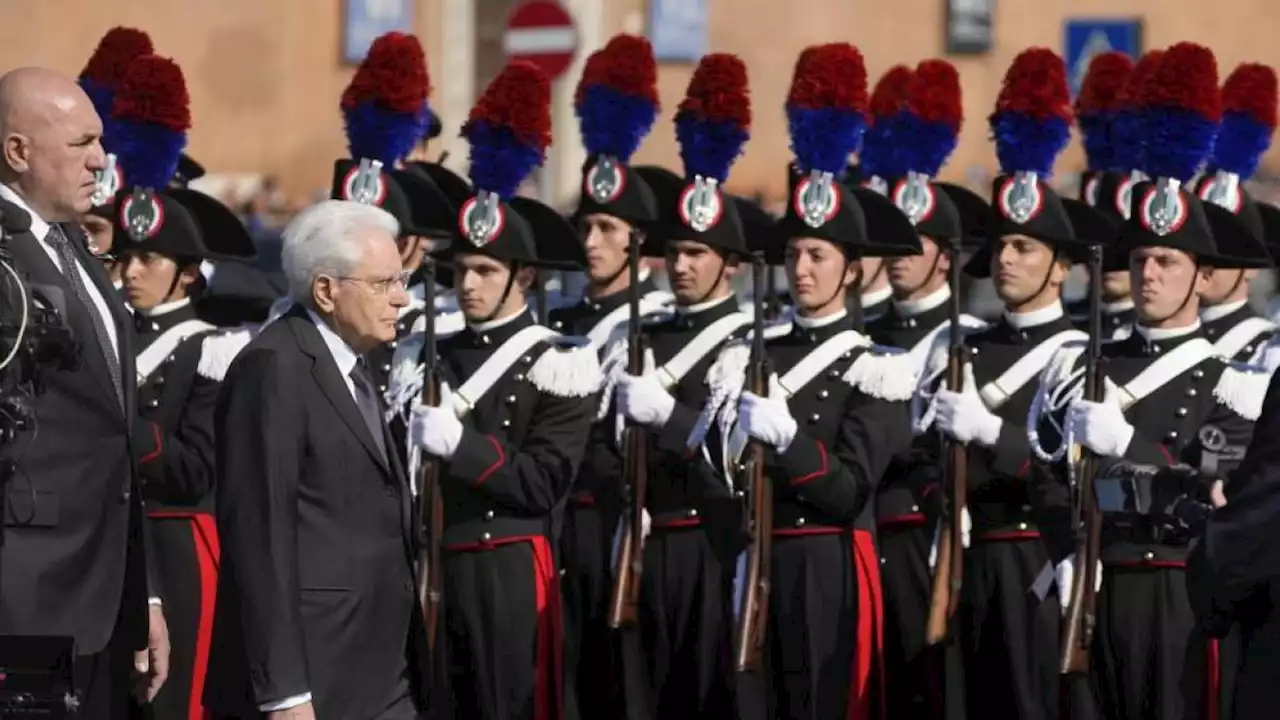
[
  {"x": 490, "y": 528},
  {"x": 675, "y": 519},
  {"x": 1005, "y": 532},
  {"x": 584, "y": 499}
]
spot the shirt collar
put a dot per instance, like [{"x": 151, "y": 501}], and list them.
[
  {"x": 811, "y": 323},
  {"x": 1035, "y": 318},
  {"x": 39, "y": 227},
  {"x": 874, "y": 297},
  {"x": 1158, "y": 334},
  {"x": 911, "y": 308},
  {"x": 166, "y": 308},
  {"x": 1217, "y": 312},
  {"x": 342, "y": 353}
]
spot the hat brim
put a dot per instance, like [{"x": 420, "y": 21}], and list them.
[
  {"x": 224, "y": 235},
  {"x": 890, "y": 232},
  {"x": 555, "y": 238},
  {"x": 1223, "y": 223},
  {"x": 432, "y": 212},
  {"x": 975, "y": 215},
  {"x": 454, "y": 186},
  {"x": 1270, "y": 227}
]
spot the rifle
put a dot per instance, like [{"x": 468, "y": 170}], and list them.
[
  {"x": 1078, "y": 625},
  {"x": 624, "y": 597},
  {"x": 430, "y": 503},
  {"x": 948, "y": 572},
  {"x": 753, "y": 620}
]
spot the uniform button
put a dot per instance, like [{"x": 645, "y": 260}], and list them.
[
  {"x": 814, "y": 418},
  {"x": 691, "y": 513},
  {"x": 974, "y": 351},
  {"x": 1155, "y": 348},
  {"x": 511, "y": 399},
  {"x": 399, "y": 327},
  {"x": 823, "y": 394},
  {"x": 739, "y": 494},
  {"x": 153, "y": 403},
  {"x": 1148, "y": 556},
  {"x": 800, "y": 522},
  {"x": 527, "y": 360},
  {"x": 915, "y": 508},
  {"x": 484, "y": 340},
  {"x": 1197, "y": 373},
  {"x": 382, "y": 389},
  {"x": 1182, "y": 412},
  {"x": 485, "y": 537},
  {"x": 884, "y": 560},
  {"x": 812, "y": 337},
  {"x": 394, "y": 344},
  {"x": 1171, "y": 435},
  {"x": 911, "y": 322},
  {"x": 557, "y": 325},
  {"x": 833, "y": 374},
  {"x": 847, "y": 354},
  {"x": 1022, "y": 526},
  {"x": 155, "y": 326},
  {"x": 124, "y": 497},
  {"x": 386, "y": 367},
  {"x": 519, "y": 377},
  {"x": 1191, "y": 392},
  {"x": 506, "y": 423},
  {"x": 488, "y": 514}
]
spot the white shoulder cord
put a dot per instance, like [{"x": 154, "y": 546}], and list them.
[{"x": 1047, "y": 406}]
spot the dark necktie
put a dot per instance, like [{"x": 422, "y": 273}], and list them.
[
  {"x": 367, "y": 401},
  {"x": 71, "y": 271}
]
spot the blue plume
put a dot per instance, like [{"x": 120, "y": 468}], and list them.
[
  {"x": 1128, "y": 141},
  {"x": 614, "y": 123},
  {"x": 383, "y": 135},
  {"x": 499, "y": 160},
  {"x": 1028, "y": 144},
  {"x": 1178, "y": 140},
  {"x": 148, "y": 153},
  {"x": 1240, "y": 144},
  {"x": 823, "y": 138},
  {"x": 708, "y": 147},
  {"x": 1095, "y": 131},
  {"x": 925, "y": 145}
]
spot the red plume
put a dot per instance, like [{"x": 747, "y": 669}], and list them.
[
  {"x": 1036, "y": 85},
  {"x": 519, "y": 99},
  {"x": 1251, "y": 89},
  {"x": 830, "y": 76},
  {"x": 934, "y": 93},
  {"x": 890, "y": 93},
  {"x": 154, "y": 92},
  {"x": 1130, "y": 94},
  {"x": 119, "y": 47},
  {"x": 625, "y": 64},
  {"x": 718, "y": 90},
  {"x": 1186, "y": 78},
  {"x": 1100, "y": 91},
  {"x": 393, "y": 75}
]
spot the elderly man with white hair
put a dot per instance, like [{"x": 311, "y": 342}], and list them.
[{"x": 316, "y": 610}]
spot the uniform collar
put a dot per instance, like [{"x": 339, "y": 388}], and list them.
[
  {"x": 911, "y": 308},
  {"x": 817, "y": 330},
  {"x": 1119, "y": 307},
  {"x": 875, "y": 297},
  {"x": 496, "y": 332},
  {"x": 165, "y": 308},
  {"x": 696, "y": 317},
  {"x": 163, "y": 316},
  {"x": 1155, "y": 341},
  {"x": 606, "y": 303},
  {"x": 1035, "y": 318},
  {"x": 1218, "y": 312}
]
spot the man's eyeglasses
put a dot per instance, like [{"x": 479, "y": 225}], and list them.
[{"x": 383, "y": 285}]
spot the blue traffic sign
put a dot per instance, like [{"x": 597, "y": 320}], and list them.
[{"x": 1082, "y": 39}]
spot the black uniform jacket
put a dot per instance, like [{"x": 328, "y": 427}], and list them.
[
  {"x": 1115, "y": 325},
  {"x": 1216, "y": 328},
  {"x": 316, "y": 589},
  {"x": 74, "y": 558},
  {"x": 523, "y": 441},
  {"x": 175, "y": 423},
  {"x": 579, "y": 318},
  {"x": 1167, "y": 423}
]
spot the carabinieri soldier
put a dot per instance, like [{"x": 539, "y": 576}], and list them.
[
  {"x": 160, "y": 237},
  {"x": 616, "y": 208},
  {"x": 1174, "y": 420},
  {"x": 386, "y": 115},
  {"x": 918, "y": 318},
  {"x": 685, "y": 617},
  {"x": 1249, "y": 119},
  {"x": 1005, "y": 631},
  {"x": 510, "y": 428},
  {"x": 834, "y": 417}
]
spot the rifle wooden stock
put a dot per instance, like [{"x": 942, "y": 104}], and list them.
[
  {"x": 1078, "y": 624},
  {"x": 753, "y": 619},
  {"x": 430, "y": 578},
  {"x": 948, "y": 567},
  {"x": 624, "y": 595}
]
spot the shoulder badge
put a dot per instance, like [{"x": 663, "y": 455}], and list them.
[
  {"x": 1242, "y": 388},
  {"x": 568, "y": 368},
  {"x": 882, "y": 372}
]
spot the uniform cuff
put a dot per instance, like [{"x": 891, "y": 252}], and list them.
[
  {"x": 148, "y": 441},
  {"x": 804, "y": 460},
  {"x": 477, "y": 458}
]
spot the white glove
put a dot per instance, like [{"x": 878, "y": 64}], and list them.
[
  {"x": 1065, "y": 572},
  {"x": 767, "y": 419},
  {"x": 1101, "y": 427},
  {"x": 437, "y": 430},
  {"x": 643, "y": 400},
  {"x": 964, "y": 416},
  {"x": 966, "y": 527}
]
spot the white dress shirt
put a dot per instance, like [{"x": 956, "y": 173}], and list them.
[
  {"x": 40, "y": 229},
  {"x": 346, "y": 359}
]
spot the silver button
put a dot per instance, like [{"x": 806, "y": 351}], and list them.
[
  {"x": 1148, "y": 556},
  {"x": 1182, "y": 412},
  {"x": 883, "y": 560},
  {"x": 1022, "y": 526},
  {"x": 1155, "y": 348},
  {"x": 799, "y": 522},
  {"x": 382, "y": 388},
  {"x": 155, "y": 326},
  {"x": 485, "y": 537},
  {"x": 911, "y": 322},
  {"x": 153, "y": 403},
  {"x": 823, "y": 394},
  {"x": 915, "y": 508},
  {"x": 557, "y": 325},
  {"x": 1197, "y": 373},
  {"x": 1171, "y": 435},
  {"x": 739, "y": 494},
  {"x": 124, "y": 497},
  {"x": 484, "y": 340},
  {"x": 394, "y": 344},
  {"x": 814, "y": 418},
  {"x": 1191, "y": 392},
  {"x": 506, "y": 423},
  {"x": 691, "y": 513},
  {"x": 511, "y": 399},
  {"x": 386, "y": 367},
  {"x": 847, "y": 354},
  {"x": 527, "y": 360},
  {"x": 833, "y": 374},
  {"x": 488, "y": 514},
  {"x": 519, "y": 377}
]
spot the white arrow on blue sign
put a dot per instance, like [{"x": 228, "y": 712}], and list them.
[{"x": 1083, "y": 39}]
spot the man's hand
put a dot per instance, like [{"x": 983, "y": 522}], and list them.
[
  {"x": 152, "y": 664},
  {"x": 1217, "y": 494},
  {"x": 305, "y": 711}
]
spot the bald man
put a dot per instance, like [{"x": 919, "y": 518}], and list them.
[{"x": 73, "y": 562}]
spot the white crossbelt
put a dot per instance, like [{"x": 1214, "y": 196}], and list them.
[
  {"x": 471, "y": 391},
  {"x": 164, "y": 345}
]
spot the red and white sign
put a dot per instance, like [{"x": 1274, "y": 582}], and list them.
[{"x": 543, "y": 33}]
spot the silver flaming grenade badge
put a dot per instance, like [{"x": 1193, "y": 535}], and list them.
[
  {"x": 1164, "y": 210},
  {"x": 141, "y": 215},
  {"x": 365, "y": 184},
  {"x": 914, "y": 197},
  {"x": 106, "y": 182},
  {"x": 1020, "y": 198},
  {"x": 482, "y": 219},
  {"x": 605, "y": 181},
  {"x": 816, "y": 200},
  {"x": 700, "y": 204},
  {"x": 1223, "y": 190}
]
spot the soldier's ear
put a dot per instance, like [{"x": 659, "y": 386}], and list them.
[{"x": 525, "y": 277}]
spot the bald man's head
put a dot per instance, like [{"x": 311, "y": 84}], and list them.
[{"x": 52, "y": 142}]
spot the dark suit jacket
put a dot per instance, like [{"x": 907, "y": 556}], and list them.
[
  {"x": 73, "y": 559},
  {"x": 316, "y": 590}
]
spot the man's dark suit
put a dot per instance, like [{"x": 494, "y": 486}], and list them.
[
  {"x": 72, "y": 561},
  {"x": 316, "y": 590}
]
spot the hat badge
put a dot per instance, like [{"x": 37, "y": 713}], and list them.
[
  {"x": 875, "y": 183},
  {"x": 107, "y": 181},
  {"x": 1091, "y": 191},
  {"x": 605, "y": 180},
  {"x": 1020, "y": 197},
  {"x": 700, "y": 204},
  {"x": 141, "y": 215},
  {"x": 364, "y": 184},
  {"x": 816, "y": 200},
  {"x": 914, "y": 197},
  {"x": 1124, "y": 194},
  {"x": 1223, "y": 190},
  {"x": 1163, "y": 209},
  {"x": 482, "y": 219}
]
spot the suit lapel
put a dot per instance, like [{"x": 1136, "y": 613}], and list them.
[{"x": 329, "y": 378}]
